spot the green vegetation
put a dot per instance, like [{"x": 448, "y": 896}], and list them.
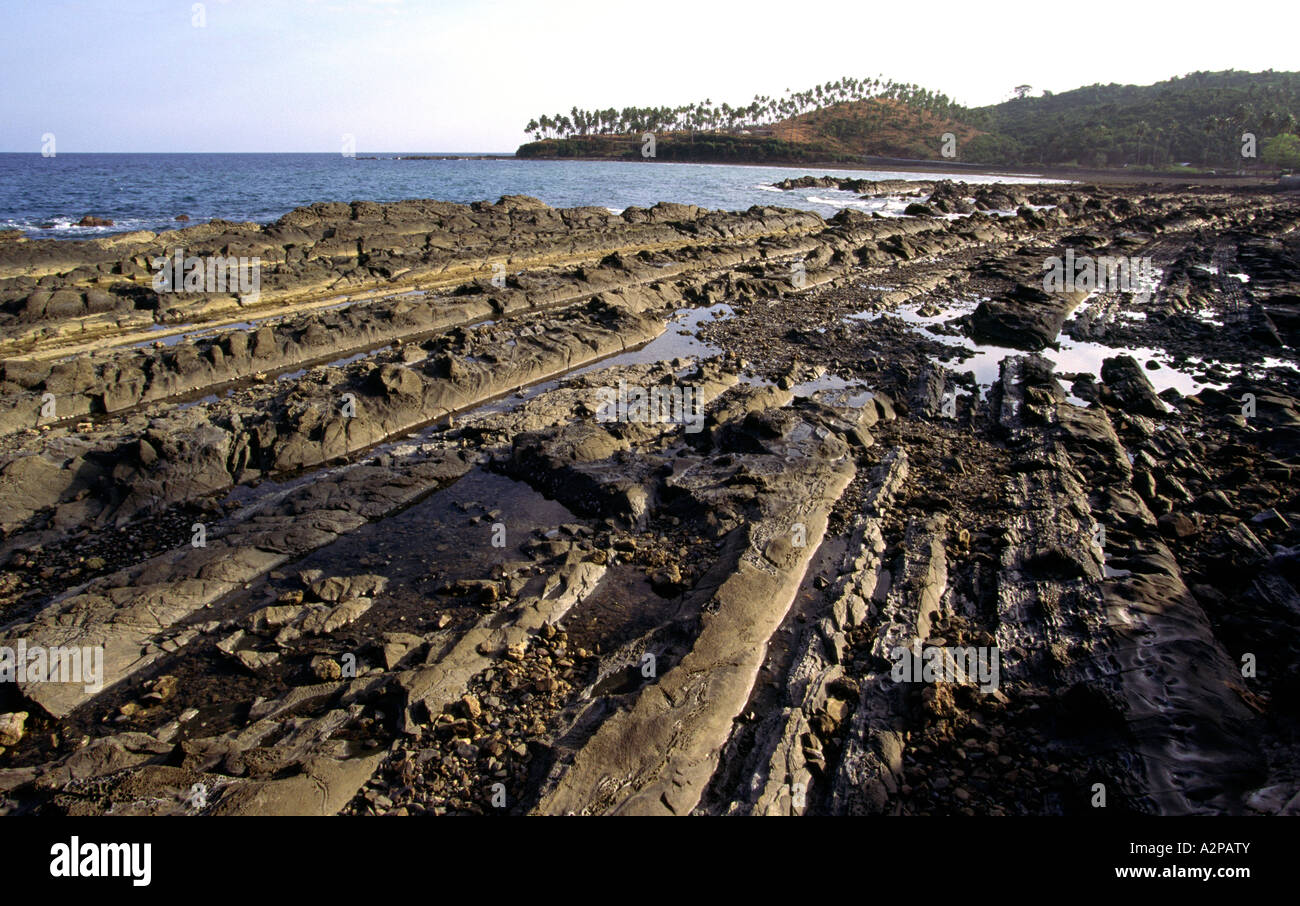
[
  {"x": 1200, "y": 121},
  {"x": 1282, "y": 151},
  {"x": 1198, "y": 118}
]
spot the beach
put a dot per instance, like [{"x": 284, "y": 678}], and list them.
[{"x": 451, "y": 508}]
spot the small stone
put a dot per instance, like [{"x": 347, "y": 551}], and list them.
[
  {"x": 12, "y": 727},
  {"x": 1177, "y": 525},
  {"x": 164, "y": 687},
  {"x": 326, "y": 668},
  {"x": 665, "y": 580}
]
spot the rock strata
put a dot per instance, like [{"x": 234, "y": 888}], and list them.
[{"x": 501, "y": 508}]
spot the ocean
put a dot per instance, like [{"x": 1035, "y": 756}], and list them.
[{"x": 45, "y": 197}]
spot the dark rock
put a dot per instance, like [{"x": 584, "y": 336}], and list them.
[
  {"x": 1129, "y": 387},
  {"x": 1177, "y": 525},
  {"x": 1026, "y": 318}
]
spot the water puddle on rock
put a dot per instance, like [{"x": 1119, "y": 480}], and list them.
[
  {"x": 337, "y": 363},
  {"x": 622, "y": 607},
  {"x": 185, "y": 333},
  {"x": 679, "y": 341},
  {"x": 357, "y": 357},
  {"x": 204, "y": 400},
  {"x": 1072, "y": 356},
  {"x": 443, "y": 539},
  {"x": 834, "y": 391}
]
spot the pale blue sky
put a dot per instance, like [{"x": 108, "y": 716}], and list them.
[{"x": 447, "y": 75}]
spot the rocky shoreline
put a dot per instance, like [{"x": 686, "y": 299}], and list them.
[{"x": 366, "y": 542}]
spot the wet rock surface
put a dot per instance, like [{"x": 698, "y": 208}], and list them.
[{"x": 668, "y": 512}]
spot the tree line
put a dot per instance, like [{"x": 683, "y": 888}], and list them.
[{"x": 705, "y": 115}]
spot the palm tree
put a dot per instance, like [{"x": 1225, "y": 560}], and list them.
[{"x": 1142, "y": 129}]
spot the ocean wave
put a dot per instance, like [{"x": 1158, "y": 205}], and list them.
[
  {"x": 65, "y": 227},
  {"x": 836, "y": 202},
  {"x": 866, "y": 204}
]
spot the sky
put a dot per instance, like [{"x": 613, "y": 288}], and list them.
[{"x": 454, "y": 76}]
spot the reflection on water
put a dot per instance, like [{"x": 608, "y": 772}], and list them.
[{"x": 1072, "y": 356}]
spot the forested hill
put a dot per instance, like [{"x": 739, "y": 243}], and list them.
[{"x": 1197, "y": 119}]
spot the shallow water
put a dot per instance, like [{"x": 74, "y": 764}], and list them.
[
  {"x": 834, "y": 390},
  {"x": 1073, "y": 356},
  {"x": 679, "y": 341}
]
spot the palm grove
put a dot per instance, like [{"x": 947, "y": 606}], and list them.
[{"x": 707, "y": 116}]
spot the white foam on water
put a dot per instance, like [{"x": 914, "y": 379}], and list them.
[
  {"x": 852, "y": 201},
  {"x": 885, "y": 205}
]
